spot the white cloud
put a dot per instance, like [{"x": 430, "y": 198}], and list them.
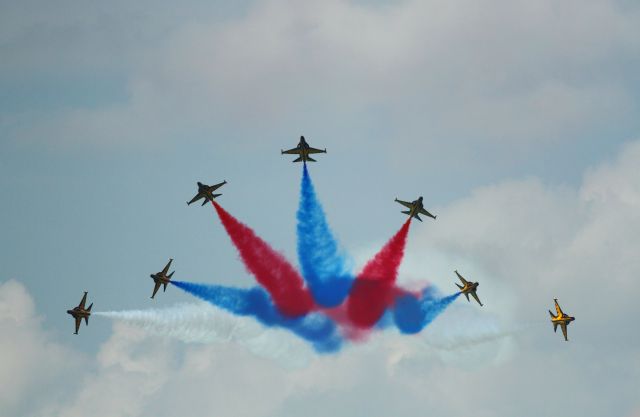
[
  {"x": 30, "y": 360},
  {"x": 525, "y": 241},
  {"x": 132, "y": 368},
  {"x": 528, "y": 241},
  {"x": 510, "y": 74}
]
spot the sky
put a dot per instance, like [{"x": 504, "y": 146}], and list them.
[{"x": 517, "y": 121}]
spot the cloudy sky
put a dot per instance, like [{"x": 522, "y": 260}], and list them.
[{"x": 516, "y": 120}]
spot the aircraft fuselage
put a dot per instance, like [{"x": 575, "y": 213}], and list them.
[
  {"x": 81, "y": 312},
  {"x": 564, "y": 319},
  {"x": 206, "y": 191},
  {"x": 416, "y": 207},
  {"x": 161, "y": 278},
  {"x": 304, "y": 151},
  {"x": 560, "y": 319},
  {"x": 76, "y": 312},
  {"x": 470, "y": 286}
]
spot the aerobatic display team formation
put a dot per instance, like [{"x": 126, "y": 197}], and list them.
[{"x": 324, "y": 303}]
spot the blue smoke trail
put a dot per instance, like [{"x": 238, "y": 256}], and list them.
[
  {"x": 316, "y": 328},
  {"x": 324, "y": 266},
  {"x": 412, "y": 314}
]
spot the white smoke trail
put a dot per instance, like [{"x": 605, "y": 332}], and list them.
[
  {"x": 203, "y": 323},
  {"x": 463, "y": 328},
  {"x": 462, "y": 337},
  {"x": 456, "y": 339}
]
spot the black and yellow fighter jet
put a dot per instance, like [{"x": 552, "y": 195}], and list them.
[
  {"x": 304, "y": 150},
  {"x": 560, "y": 319},
  {"x": 161, "y": 278},
  {"x": 415, "y": 208},
  {"x": 468, "y": 288},
  {"x": 206, "y": 191},
  {"x": 80, "y": 312}
]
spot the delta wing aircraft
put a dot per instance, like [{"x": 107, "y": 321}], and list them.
[
  {"x": 206, "y": 191},
  {"x": 161, "y": 278},
  {"x": 304, "y": 150},
  {"x": 80, "y": 312},
  {"x": 560, "y": 319},
  {"x": 468, "y": 288},
  {"x": 415, "y": 208}
]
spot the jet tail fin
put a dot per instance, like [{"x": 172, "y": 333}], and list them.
[
  {"x": 170, "y": 275},
  {"x": 298, "y": 159},
  {"x": 86, "y": 320},
  {"x": 551, "y": 314},
  {"x": 459, "y": 286},
  {"x": 216, "y": 195},
  {"x": 415, "y": 215},
  {"x": 310, "y": 159},
  {"x": 91, "y": 305}
]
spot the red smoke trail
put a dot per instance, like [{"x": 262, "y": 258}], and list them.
[
  {"x": 348, "y": 330},
  {"x": 269, "y": 267},
  {"x": 374, "y": 288}
]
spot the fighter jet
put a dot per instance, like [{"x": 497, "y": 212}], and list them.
[
  {"x": 161, "y": 278},
  {"x": 415, "y": 208},
  {"x": 468, "y": 288},
  {"x": 206, "y": 191},
  {"x": 304, "y": 150},
  {"x": 560, "y": 319},
  {"x": 80, "y": 312}
]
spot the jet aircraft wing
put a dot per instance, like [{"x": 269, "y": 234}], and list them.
[
  {"x": 196, "y": 198},
  {"x": 216, "y": 186},
  {"x": 405, "y": 203},
  {"x": 166, "y": 268},
  {"x": 563, "y": 326},
  {"x": 156, "y": 288},
  {"x": 473, "y": 293},
  {"x": 83, "y": 301},
  {"x": 293, "y": 151},
  {"x": 464, "y": 281},
  {"x": 426, "y": 213},
  {"x": 558, "y": 309},
  {"x": 78, "y": 322},
  {"x": 314, "y": 150}
]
